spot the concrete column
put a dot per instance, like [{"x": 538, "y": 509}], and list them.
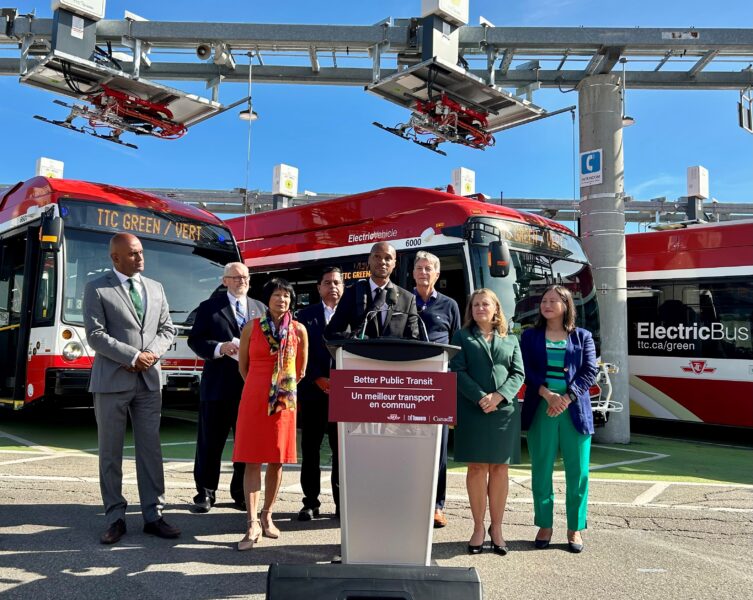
[{"x": 603, "y": 233}]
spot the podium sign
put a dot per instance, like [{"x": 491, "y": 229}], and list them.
[{"x": 413, "y": 397}]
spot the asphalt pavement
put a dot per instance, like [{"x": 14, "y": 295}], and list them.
[{"x": 646, "y": 539}]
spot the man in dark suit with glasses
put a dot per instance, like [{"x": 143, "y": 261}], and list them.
[{"x": 215, "y": 337}]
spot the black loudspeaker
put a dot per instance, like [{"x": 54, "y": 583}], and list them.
[{"x": 372, "y": 582}]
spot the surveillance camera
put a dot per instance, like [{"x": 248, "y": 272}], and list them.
[
  {"x": 714, "y": 201},
  {"x": 204, "y": 51},
  {"x": 485, "y": 22}
]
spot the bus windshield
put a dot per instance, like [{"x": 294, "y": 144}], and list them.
[
  {"x": 189, "y": 274},
  {"x": 530, "y": 273}
]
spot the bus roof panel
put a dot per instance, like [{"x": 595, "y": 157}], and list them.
[
  {"x": 41, "y": 191},
  {"x": 707, "y": 246},
  {"x": 330, "y": 223}
]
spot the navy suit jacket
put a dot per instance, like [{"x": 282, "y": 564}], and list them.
[
  {"x": 215, "y": 323},
  {"x": 401, "y": 319},
  {"x": 580, "y": 374},
  {"x": 320, "y": 360}
]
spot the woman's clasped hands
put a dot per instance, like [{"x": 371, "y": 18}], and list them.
[
  {"x": 557, "y": 403},
  {"x": 490, "y": 402}
]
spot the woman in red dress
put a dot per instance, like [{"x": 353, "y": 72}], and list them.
[{"x": 272, "y": 359}]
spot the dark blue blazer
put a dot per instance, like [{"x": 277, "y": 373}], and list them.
[
  {"x": 320, "y": 361},
  {"x": 215, "y": 323},
  {"x": 580, "y": 374}
]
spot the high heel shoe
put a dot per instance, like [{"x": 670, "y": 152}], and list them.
[
  {"x": 541, "y": 544},
  {"x": 269, "y": 530},
  {"x": 248, "y": 541},
  {"x": 573, "y": 546},
  {"x": 501, "y": 550},
  {"x": 476, "y": 549}
]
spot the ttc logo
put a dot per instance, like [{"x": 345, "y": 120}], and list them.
[{"x": 698, "y": 367}]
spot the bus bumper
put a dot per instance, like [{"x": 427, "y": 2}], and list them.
[
  {"x": 181, "y": 382},
  {"x": 68, "y": 382}
]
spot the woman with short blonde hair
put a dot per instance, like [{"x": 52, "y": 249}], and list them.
[{"x": 489, "y": 367}]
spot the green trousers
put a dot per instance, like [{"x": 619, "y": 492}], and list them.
[{"x": 546, "y": 436}]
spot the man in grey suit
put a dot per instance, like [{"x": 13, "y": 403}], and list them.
[{"x": 128, "y": 326}]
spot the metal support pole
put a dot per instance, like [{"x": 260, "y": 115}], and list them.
[
  {"x": 280, "y": 201},
  {"x": 603, "y": 231}
]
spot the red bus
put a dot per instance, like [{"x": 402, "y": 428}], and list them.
[
  {"x": 297, "y": 242},
  {"x": 54, "y": 237},
  {"x": 690, "y": 315}
]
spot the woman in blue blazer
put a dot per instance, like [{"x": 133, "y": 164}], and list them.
[
  {"x": 490, "y": 373},
  {"x": 560, "y": 367}
]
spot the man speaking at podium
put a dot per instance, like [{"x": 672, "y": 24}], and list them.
[{"x": 376, "y": 307}]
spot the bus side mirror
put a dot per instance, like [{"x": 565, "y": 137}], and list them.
[
  {"x": 51, "y": 233},
  {"x": 499, "y": 259}
]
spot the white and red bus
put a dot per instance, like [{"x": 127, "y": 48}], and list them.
[
  {"x": 690, "y": 315},
  {"x": 54, "y": 237},
  {"x": 469, "y": 236}
]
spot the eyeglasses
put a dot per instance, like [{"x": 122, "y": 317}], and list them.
[{"x": 237, "y": 278}]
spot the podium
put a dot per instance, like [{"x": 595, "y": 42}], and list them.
[{"x": 390, "y": 398}]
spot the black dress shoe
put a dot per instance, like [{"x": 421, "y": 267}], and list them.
[
  {"x": 202, "y": 504},
  {"x": 307, "y": 514},
  {"x": 162, "y": 529},
  {"x": 475, "y": 549},
  {"x": 114, "y": 532}
]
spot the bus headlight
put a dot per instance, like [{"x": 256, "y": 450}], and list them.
[{"x": 72, "y": 351}]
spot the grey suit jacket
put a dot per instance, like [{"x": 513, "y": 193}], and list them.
[{"x": 115, "y": 334}]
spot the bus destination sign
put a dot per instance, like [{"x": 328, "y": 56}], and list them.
[
  {"x": 541, "y": 239},
  {"x": 143, "y": 223}
]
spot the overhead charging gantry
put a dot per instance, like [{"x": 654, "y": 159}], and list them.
[{"x": 459, "y": 84}]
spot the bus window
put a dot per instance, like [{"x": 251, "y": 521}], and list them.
[
  {"x": 44, "y": 307},
  {"x": 726, "y": 307},
  {"x": 304, "y": 278},
  {"x": 197, "y": 276},
  {"x": 452, "y": 280}
]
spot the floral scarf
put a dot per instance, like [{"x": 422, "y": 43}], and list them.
[{"x": 284, "y": 342}]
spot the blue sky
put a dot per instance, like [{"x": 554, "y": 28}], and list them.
[{"x": 326, "y": 131}]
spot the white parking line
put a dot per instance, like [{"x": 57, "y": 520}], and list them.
[
  {"x": 651, "y": 493},
  {"x": 25, "y": 442},
  {"x": 651, "y": 456},
  {"x": 44, "y": 457}
]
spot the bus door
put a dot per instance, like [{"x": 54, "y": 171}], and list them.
[
  {"x": 17, "y": 252},
  {"x": 454, "y": 279}
]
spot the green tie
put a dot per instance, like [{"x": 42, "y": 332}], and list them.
[{"x": 136, "y": 299}]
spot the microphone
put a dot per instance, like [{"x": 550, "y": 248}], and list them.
[
  {"x": 392, "y": 295},
  {"x": 368, "y": 317},
  {"x": 421, "y": 324}
]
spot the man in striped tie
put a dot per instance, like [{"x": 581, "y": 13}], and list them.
[{"x": 214, "y": 337}]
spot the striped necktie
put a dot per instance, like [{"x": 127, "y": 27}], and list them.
[
  {"x": 240, "y": 314},
  {"x": 136, "y": 299}
]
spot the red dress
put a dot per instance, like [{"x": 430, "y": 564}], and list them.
[{"x": 260, "y": 437}]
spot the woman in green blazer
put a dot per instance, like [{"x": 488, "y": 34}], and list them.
[{"x": 489, "y": 367}]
